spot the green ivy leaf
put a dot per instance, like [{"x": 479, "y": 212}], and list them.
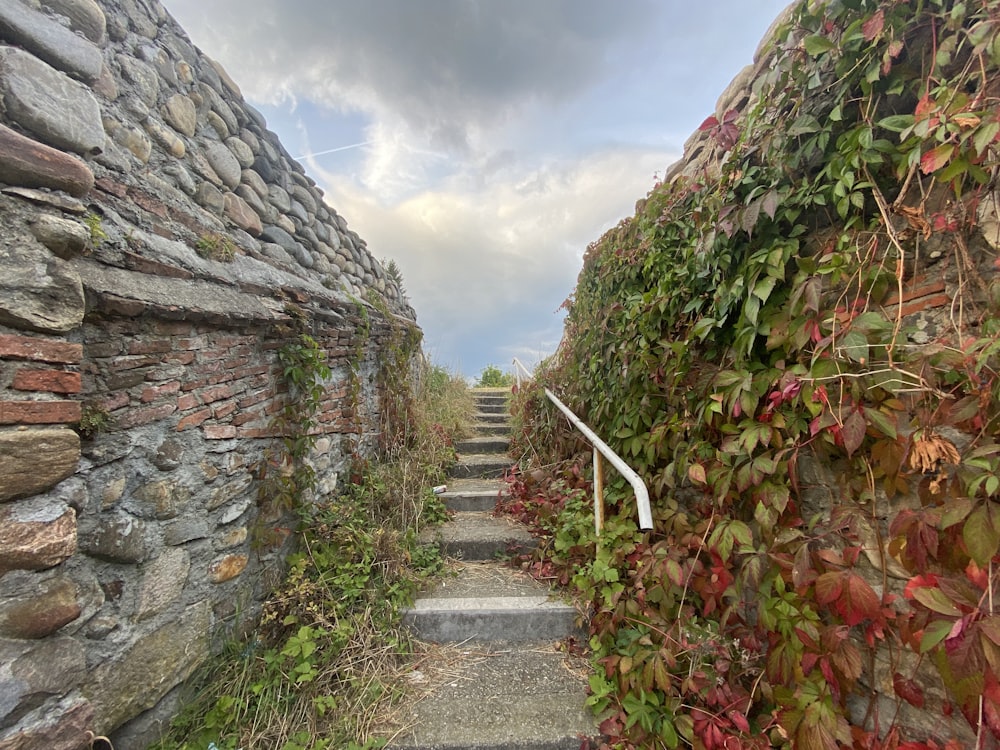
[
  {"x": 981, "y": 537},
  {"x": 817, "y": 44},
  {"x": 934, "y": 634}
]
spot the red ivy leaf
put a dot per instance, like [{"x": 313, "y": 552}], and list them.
[
  {"x": 872, "y": 28},
  {"x": 854, "y": 432},
  {"x": 829, "y": 587},
  {"x": 909, "y": 690},
  {"x": 924, "y": 108},
  {"x": 860, "y": 601},
  {"x": 740, "y": 721},
  {"x": 710, "y": 123},
  {"x": 936, "y": 158}
]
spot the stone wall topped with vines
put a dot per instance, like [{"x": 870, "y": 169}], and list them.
[{"x": 795, "y": 341}]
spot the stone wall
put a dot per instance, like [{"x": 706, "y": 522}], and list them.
[
  {"x": 158, "y": 246},
  {"x": 925, "y": 304}
]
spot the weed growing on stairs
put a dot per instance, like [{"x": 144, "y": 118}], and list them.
[{"x": 320, "y": 672}]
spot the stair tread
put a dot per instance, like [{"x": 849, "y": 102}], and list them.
[
  {"x": 491, "y": 444},
  {"x": 478, "y": 525},
  {"x": 484, "y": 458},
  {"x": 474, "y": 486},
  {"x": 484, "y": 579},
  {"x": 524, "y": 696}
]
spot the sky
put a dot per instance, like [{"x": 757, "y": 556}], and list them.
[{"x": 482, "y": 144}]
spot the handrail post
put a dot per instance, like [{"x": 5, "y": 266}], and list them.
[
  {"x": 598, "y": 492},
  {"x": 638, "y": 486}
]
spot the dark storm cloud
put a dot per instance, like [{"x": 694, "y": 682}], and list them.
[{"x": 440, "y": 64}]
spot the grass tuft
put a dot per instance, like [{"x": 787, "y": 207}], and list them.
[{"x": 324, "y": 667}]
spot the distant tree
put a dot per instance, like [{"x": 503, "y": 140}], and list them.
[{"x": 493, "y": 377}]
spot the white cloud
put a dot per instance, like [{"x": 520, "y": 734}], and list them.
[
  {"x": 500, "y": 138},
  {"x": 487, "y": 270}
]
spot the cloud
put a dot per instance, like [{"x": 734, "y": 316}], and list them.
[
  {"x": 487, "y": 269},
  {"x": 500, "y": 138}
]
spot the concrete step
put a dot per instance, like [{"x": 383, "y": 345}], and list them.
[
  {"x": 491, "y": 418},
  {"x": 492, "y": 408},
  {"x": 491, "y": 428},
  {"x": 483, "y": 444},
  {"x": 479, "y": 536},
  {"x": 485, "y": 601},
  {"x": 514, "y": 618},
  {"x": 525, "y": 696},
  {"x": 472, "y": 494},
  {"x": 485, "y": 465}
]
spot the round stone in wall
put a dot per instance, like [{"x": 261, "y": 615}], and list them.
[{"x": 224, "y": 163}]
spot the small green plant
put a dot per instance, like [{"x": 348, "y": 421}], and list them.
[
  {"x": 493, "y": 377},
  {"x": 216, "y": 246},
  {"x": 94, "y": 419},
  {"x": 94, "y": 224},
  {"x": 320, "y": 671},
  {"x": 394, "y": 272}
]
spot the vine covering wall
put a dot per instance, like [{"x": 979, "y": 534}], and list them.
[
  {"x": 191, "y": 341},
  {"x": 795, "y": 341}
]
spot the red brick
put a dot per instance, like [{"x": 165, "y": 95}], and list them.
[
  {"x": 194, "y": 419},
  {"x": 117, "y": 401},
  {"x": 148, "y": 202},
  {"x": 172, "y": 328},
  {"x": 247, "y": 372},
  {"x": 224, "y": 410},
  {"x": 52, "y": 381},
  {"x": 153, "y": 346},
  {"x": 219, "y": 431},
  {"x": 256, "y": 432},
  {"x": 144, "y": 415},
  {"x": 216, "y": 394},
  {"x": 127, "y": 362},
  {"x": 154, "y": 267},
  {"x": 234, "y": 365},
  {"x": 152, "y": 393},
  {"x": 187, "y": 401},
  {"x": 918, "y": 305},
  {"x": 40, "y": 350},
  {"x": 916, "y": 288},
  {"x": 254, "y": 399},
  {"x": 191, "y": 385},
  {"x": 192, "y": 344},
  {"x": 245, "y": 417},
  {"x": 207, "y": 368},
  {"x": 117, "y": 189},
  {"x": 259, "y": 381},
  {"x": 179, "y": 358},
  {"x": 39, "y": 412}
]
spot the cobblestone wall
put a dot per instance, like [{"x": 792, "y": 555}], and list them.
[{"x": 157, "y": 247}]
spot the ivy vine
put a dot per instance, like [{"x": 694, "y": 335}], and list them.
[
  {"x": 287, "y": 479},
  {"x": 750, "y": 324}
]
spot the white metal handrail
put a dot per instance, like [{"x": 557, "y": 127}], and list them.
[{"x": 600, "y": 449}]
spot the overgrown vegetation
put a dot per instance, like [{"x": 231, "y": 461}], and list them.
[
  {"x": 95, "y": 225},
  {"x": 493, "y": 377},
  {"x": 746, "y": 328},
  {"x": 94, "y": 419},
  {"x": 216, "y": 246},
  {"x": 321, "y": 669}
]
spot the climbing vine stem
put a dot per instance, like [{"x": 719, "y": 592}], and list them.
[{"x": 796, "y": 342}]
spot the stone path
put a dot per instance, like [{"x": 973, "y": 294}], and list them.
[{"x": 494, "y": 677}]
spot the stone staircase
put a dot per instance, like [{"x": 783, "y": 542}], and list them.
[{"x": 493, "y": 677}]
